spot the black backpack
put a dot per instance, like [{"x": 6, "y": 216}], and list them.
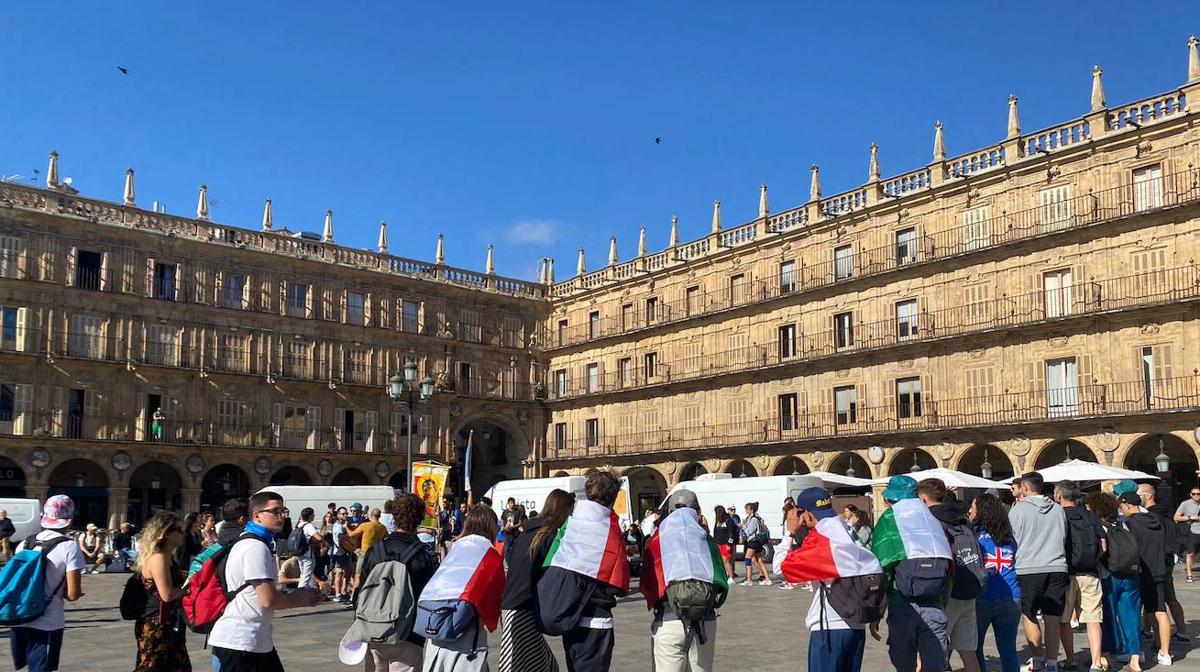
[
  {"x": 1122, "y": 556},
  {"x": 134, "y": 598},
  {"x": 859, "y": 600},
  {"x": 297, "y": 541},
  {"x": 970, "y": 576},
  {"x": 922, "y": 580},
  {"x": 1083, "y": 546}
]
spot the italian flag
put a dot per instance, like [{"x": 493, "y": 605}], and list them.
[
  {"x": 908, "y": 530},
  {"x": 679, "y": 550},
  {"x": 474, "y": 572},
  {"x": 590, "y": 543},
  {"x": 828, "y": 553}
]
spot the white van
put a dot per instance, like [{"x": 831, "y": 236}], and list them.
[
  {"x": 532, "y": 492},
  {"x": 296, "y": 497},
  {"x": 26, "y": 516},
  {"x": 769, "y": 491}
]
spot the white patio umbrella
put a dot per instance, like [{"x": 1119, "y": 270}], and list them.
[
  {"x": 1082, "y": 471},
  {"x": 829, "y": 478},
  {"x": 951, "y": 477}
]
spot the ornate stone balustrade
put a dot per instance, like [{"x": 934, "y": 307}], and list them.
[
  {"x": 739, "y": 236},
  {"x": 844, "y": 203},
  {"x": 907, "y": 183},
  {"x": 979, "y": 161},
  {"x": 1056, "y": 138},
  {"x": 1147, "y": 111}
]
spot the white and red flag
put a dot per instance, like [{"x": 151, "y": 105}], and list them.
[{"x": 474, "y": 572}]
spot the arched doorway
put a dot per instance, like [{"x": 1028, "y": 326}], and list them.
[
  {"x": 1180, "y": 475},
  {"x": 350, "y": 476},
  {"x": 790, "y": 465},
  {"x": 290, "y": 476},
  {"x": 1061, "y": 451},
  {"x": 497, "y": 454},
  {"x": 972, "y": 462},
  {"x": 86, "y": 484},
  {"x": 741, "y": 468},
  {"x": 12, "y": 479},
  {"x": 399, "y": 481},
  {"x": 909, "y": 460},
  {"x": 691, "y": 471},
  {"x": 153, "y": 487},
  {"x": 561, "y": 474},
  {"x": 221, "y": 483},
  {"x": 647, "y": 488},
  {"x": 850, "y": 464}
]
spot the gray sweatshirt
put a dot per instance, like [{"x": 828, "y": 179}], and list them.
[{"x": 1040, "y": 527}]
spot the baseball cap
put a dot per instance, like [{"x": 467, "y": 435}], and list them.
[
  {"x": 681, "y": 499},
  {"x": 900, "y": 487},
  {"x": 356, "y": 507},
  {"x": 1130, "y": 498},
  {"x": 816, "y": 501},
  {"x": 1123, "y": 486},
  {"x": 57, "y": 512}
]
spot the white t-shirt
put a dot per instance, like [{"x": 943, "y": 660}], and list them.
[
  {"x": 309, "y": 531},
  {"x": 63, "y": 558},
  {"x": 246, "y": 624},
  {"x": 833, "y": 621},
  {"x": 389, "y": 522}
]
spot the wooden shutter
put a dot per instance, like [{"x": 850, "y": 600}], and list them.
[
  {"x": 218, "y": 294},
  {"x": 367, "y": 309},
  {"x": 22, "y": 409},
  {"x": 345, "y": 296},
  {"x": 105, "y": 286},
  {"x": 308, "y": 302},
  {"x": 369, "y": 421},
  {"x": 339, "y": 429},
  {"x": 277, "y": 424},
  {"x": 58, "y": 403},
  {"x": 150, "y": 277},
  {"x": 22, "y": 343},
  {"x": 283, "y": 297},
  {"x": 247, "y": 297},
  {"x": 72, "y": 261},
  {"x": 314, "y": 427}
]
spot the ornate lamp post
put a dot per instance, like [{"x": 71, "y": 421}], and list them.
[
  {"x": 985, "y": 469},
  {"x": 1165, "y": 488},
  {"x": 405, "y": 390}
]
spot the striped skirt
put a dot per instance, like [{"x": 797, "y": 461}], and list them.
[{"x": 522, "y": 646}]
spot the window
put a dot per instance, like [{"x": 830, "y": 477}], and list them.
[
  {"x": 843, "y": 258},
  {"x": 162, "y": 345},
  {"x": 690, "y": 417},
  {"x": 88, "y": 268},
  {"x": 1056, "y": 286},
  {"x": 354, "y": 366},
  {"x": 16, "y": 406},
  {"x": 1147, "y": 187},
  {"x": 843, "y": 330},
  {"x": 233, "y": 292},
  {"x": 13, "y": 329},
  {"x": 737, "y": 289},
  {"x": 297, "y": 299},
  {"x": 846, "y": 399},
  {"x": 296, "y": 360},
  {"x": 85, "y": 338},
  {"x": 562, "y": 332},
  {"x": 297, "y": 425},
  {"x": 978, "y": 299},
  {"x": 232, "y": 353},
  {"x": 787, "y": 341},
  {"x": 591, "y": 428},
  {"x": 1062, "y": 386},
  {"x": 738, "y": 410},
  {"x": 627, "y": 318},
  {"x": 592, "y": 378},
  {"x": 908, "y": 398},
  {"x": 561, "y": 388},
  {"x": 651, "y": 310},
  {"x": 692, "y": 300},
  {"x": 625, "y": 371},
  {"x": 470, "y": 327},
  {"x": 787, "y": 277},
  {"x": 356, "y": 308},
  {"x": 976, "y": 228},
  {"x": 164, "y": 282},
  {"x": 906, "y": 246},
  {"x": 1149, "y": 268},
  {"x": 906, "y": 319},
  {"x": 693, "y": 355},
  {"x": 560, "y": 436},
  {"x": 231, "y": 413},
  {"x": 979, "y": 382},
  {"x": 650, "y": 365},
  {"x": 738, "y": 349},
  {"x": 788, "y": 412},
  {"x": 1157, "y": 371},
  {"x": 512, "y": 332},
  {"x": 594, "y": 324},
  {"x": 410, "y": 312},
  {"x": 10, "y": 256},
  {"x": 1056, "y": 208},
  {"x": 467, "y": 382}
]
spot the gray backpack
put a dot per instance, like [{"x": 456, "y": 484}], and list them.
[
  {"x": 692, "y": 600},
  {"x": 387, "y": 607}
]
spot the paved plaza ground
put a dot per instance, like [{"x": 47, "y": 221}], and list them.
[{"x": 760, "y": 628}]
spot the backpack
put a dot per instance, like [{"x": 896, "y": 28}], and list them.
[
  {"x": 922, "y": 580},
  {"x": 445, "y": 621},
  {"x": 970, "y": 576},
  {"x": 1083, "y": 547},
  {"x": 692, "y": 600},
  {"x": 297, "y": 541},
  {"x": 562, "y": 597},
  {"x": 1122, "y": 556},
  {"x": 386, "y": 610},
  {"x": 23, "y": 597},
  {"x": 198, "y": 561},
  {"x": 134, "y": 598},
  {"x": 763, "y": 535},
  {"x": 859, "y": 600},
  {"x": 206, "y": 596}
]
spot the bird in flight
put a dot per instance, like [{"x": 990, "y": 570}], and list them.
[
  {"x": 658, "y": 141},
  {"x": 124, "y": 70}
]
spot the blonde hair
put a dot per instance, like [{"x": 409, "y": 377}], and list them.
[{"x": 150, "y": 540}]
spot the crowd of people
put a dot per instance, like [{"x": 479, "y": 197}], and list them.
[{"x": 941, "y": 573}]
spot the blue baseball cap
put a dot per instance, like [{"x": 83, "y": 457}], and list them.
[
  {"x": 816, "y": 501},
  {"x": 900, "y": 487},
  {"x": 356, "y": 507}
]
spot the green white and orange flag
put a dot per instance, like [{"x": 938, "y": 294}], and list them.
[
  {"x": 679, "y": 550},
  {"x": 590, "y": 543},
  {"x": 908, "y": 530}
]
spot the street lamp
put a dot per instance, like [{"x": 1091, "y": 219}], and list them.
[
  {"x": 405, "y": 390},
  {"x": 1161, "y": 461},
  {"x": 850, "y": 467},
  {"x": 985, "y": 469},
  {"x": 916, "y": 467}
]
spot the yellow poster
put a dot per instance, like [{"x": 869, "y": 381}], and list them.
[{"x": 429, "y": 481}]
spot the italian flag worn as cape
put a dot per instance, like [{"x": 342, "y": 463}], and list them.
[
  {"x": 590, "y": 543},
  {"x": 473, "y": 572},
  {"x": 828, "y": 553},
  {"x": 908, "y": 530},
  {"x": 680, "y": 549}
]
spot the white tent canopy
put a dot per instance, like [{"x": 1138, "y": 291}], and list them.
[
  {"x": 829, "y": 478},
  {"x": 1082, "y": 471},
  {"x": 952, "y": 479}
]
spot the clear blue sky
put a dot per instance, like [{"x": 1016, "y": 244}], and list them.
[{"x": 534, "y": 128}]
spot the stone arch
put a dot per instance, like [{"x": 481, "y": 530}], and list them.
[
  {"x": 154, "y": 486},
  {"x": 850, "y": 464},
  {"x": 86, "y": 483},
  {"x": 1061, "y": 450},
  {"x": 971, "y": 461},
  {"x": 788, "y": 465},
  {"x": 690, "y": 471},
  {"x": 399, "y": 481},
  {"x": 741, "y": 468},
  {"x": 1178, "y": 479},
  {"x": 12, "y": 478},
  {"x": 222, "y": 482},
  {"x": 902, "y": 461},
  {"x": 500, "y": 449},
  {"x": 350, "y": 476},
  {"x": 647, "y": 488},
  {"x": 560, "y": 474},
  {"x": 291, "y": 475}
]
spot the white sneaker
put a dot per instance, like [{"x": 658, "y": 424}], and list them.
[
  {"x": 747, "y": 582},
  {"x": 1164, "y": 659},
  {"x": 766, "y": 582}
]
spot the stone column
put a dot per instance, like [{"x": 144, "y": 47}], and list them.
[
  {"x": 118, "y": 506},
  {"x": 38, "y": 492},
  {"x": 190, "y": 500}
]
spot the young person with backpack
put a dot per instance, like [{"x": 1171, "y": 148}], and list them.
[
  {"x": 757, "y": 537},
  {"x": 850, "y": 594},
  {"x": 234, "y": 513},
  {"x": 463, "y": 598},
  {"x": 999, "y": 608},
  {"x": 1177, "y": 545},
  {"x": 970, "y": 577},
  {"x": 1040, "y": 527},
  {"x": 1120, "y": 569},
  {"x": 522, "y": 646},
  {"x": 1086, "y": 542},
  {"x": 684, "y": 582},
  {"x": 1151, "y": 538},
  {"x": 304, "y": 544},
  {"x": 46, "y": 569},
  {"x": 915, "y": 555},
  {"x": 241, "y": 639}
]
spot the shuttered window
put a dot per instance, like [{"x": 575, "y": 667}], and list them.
[
  {"x": 1055, "y": 208},
  {"x": 976, "y": 227},
  {"x": 1147, "y": 187}
]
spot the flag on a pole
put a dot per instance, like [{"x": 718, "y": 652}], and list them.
[
  {"x": 590, "y": 543},
  {"x": 828, "y": 553},
  {"x": 473, "y": 572},
  {"x": 679, "y": 550},
  {"x": 467, "y": 462}
]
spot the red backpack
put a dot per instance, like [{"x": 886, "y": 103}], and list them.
[{"x": 206, "y": 595}]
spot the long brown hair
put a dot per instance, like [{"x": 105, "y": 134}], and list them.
[
  {"x": 557, "y": 508},
  {"x": 481, "y": 520}
]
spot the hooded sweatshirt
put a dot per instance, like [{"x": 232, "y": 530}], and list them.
[
  {"x": 1151, "y": 539},
  {"x": 1040, "y": 527}
]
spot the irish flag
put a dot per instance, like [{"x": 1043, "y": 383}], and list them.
[
  {"x": 828, "y": 553},
  {"x": 590, "y": 543},
  {"x": 679, "y": 550},
  {"x": 474, "y": 572},
  {"x": 908, "y": 530}
]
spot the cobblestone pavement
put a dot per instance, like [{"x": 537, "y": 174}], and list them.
[{"x": 760, "y": 628}]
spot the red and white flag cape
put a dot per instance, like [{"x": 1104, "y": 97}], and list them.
[
  {"x": 829, "y": 553},
  {"x": 473, "y": 571},
  {"x": 590, "y": 543}
]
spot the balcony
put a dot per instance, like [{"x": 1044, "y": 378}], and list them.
[
  {"x": 1158, "y": 287},
  {"x": 1000, "y": 410}
]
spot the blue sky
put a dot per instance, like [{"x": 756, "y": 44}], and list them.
[{"x": 533, "y": 128}]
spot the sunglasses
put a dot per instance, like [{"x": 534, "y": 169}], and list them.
[{"x": 1195, "y": 494}]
